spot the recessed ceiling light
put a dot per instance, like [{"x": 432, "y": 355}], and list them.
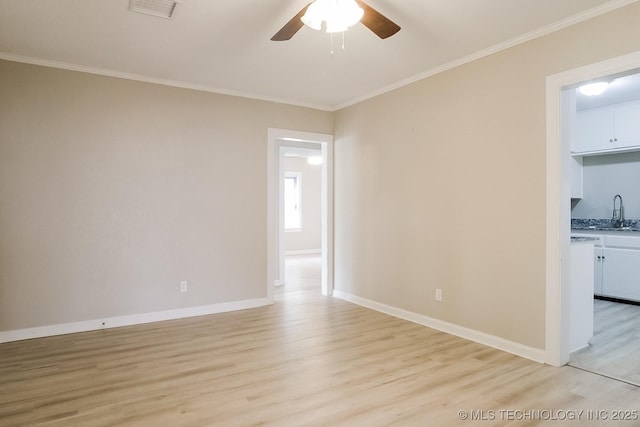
[
  {"x": 594, "y": 89},
  {"x": 314, "y": 160}
]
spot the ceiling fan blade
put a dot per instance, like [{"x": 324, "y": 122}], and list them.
[
  {"x": 382, "y": 26},
  {"x": 291, "y": 27}
]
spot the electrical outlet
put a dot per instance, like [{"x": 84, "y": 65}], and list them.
[
  {"x": 439, "y": 295},
  {"x": 183, "y": 286}
]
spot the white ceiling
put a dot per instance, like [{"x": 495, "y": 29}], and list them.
[{"x": 223, "y": 45}]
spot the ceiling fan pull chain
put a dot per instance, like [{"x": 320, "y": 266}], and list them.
[
  {"x": 343, "y": 37},
  {"x": 331, "y": 34}
]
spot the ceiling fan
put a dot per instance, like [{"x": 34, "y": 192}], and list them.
[{"x": 357, "y": 10}]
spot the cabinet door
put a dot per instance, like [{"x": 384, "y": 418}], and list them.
[
  {"x": 621, "y": 273},
  {"x": 594, "y": 130},
  {"x": 580, "y": 295},
  {"x": 576, "y": 177},
  {"x": 627, "y": 124},
  {"x": 597, "y": 274}
]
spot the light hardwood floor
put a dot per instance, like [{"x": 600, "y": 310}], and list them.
[
  {"x": 615, "y": 347},
  {"x": 303, "y": 277},
  {"x": 307, "y": 360}
]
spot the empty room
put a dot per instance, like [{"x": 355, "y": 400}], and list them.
[{"x": 336, "y": 213}]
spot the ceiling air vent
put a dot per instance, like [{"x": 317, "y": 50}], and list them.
[{"x": 161, "y": 8}]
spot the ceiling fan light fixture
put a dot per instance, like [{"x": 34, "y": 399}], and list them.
[
  {"x": 337, "y": 14},
  {"x": 348, "y": 12},
  {"x": 335, "y": 27},
  {"x": 314, "y": 15}
]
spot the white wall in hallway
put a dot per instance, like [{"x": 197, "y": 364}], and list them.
[{"x": 308, "y": 238}]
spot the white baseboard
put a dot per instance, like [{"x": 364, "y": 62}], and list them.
[
  {"x": 134, "y": 319},
  {"x": 304, "y": 252},
  {"x": 535, "y": 354}
]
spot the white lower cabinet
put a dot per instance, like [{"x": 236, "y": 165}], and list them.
[
  {"x": 580, "y": 295},
  {"x": 597, "y": 274},
  {"x": 620, "y": 272},
  {"x": 616, "y": 271}
]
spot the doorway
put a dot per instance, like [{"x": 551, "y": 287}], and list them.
[
  {"x": 607, "y": 171},
  {"x": 283, "y": 143},
  {"x": 302, "y": 221},
  {"x": 558, "y": 218}
]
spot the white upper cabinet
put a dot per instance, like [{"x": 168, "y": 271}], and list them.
[
  {"x": 594, "y": 130},
  {"x": 606, "y": 129},
  {"x": 627, "y": 124}
]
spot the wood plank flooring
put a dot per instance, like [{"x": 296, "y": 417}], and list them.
[
  {"x": 303, "y": 277},
  {"x": 307, "y": 360},
  {"x": 615, "y": 347}
]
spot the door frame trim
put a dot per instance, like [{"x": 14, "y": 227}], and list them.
[
  {"x": 558, "y": 210},
  {"x": 278, "y": 138}
]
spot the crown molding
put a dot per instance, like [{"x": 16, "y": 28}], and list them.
[
  {"x": 154, "y": 80},
  {"x": 532, "y": 35},
  {"x": 581, "y": 17}
]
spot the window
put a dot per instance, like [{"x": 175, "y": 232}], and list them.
[{"x": 292, "y": 208}]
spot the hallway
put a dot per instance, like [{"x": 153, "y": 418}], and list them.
[{"x": 303, "y": 276}]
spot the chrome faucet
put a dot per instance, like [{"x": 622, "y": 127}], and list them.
[{"x": 617, "y": 219}]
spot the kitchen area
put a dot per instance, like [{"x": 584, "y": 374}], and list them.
[{"x": 602, "y": 121}]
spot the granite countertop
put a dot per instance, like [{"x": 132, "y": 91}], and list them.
[
  {"x": 617, "y": 229},
  {"x": 631, "y": 225},
  {"x": 583, "y": 239}
]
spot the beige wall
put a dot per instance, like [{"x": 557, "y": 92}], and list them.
[
  {"x": 112, "y": 191},
  {"x": 309, "y": 236},
  {"x": 441, "y": 184}
]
